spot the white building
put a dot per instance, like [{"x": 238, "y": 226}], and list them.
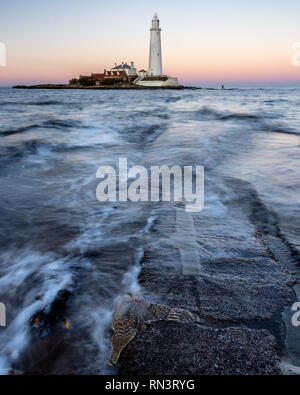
[
  {"x": 130, "y": 70},
  {"x": 142, "y": 73},
  {"x": 155, "y": 77}
]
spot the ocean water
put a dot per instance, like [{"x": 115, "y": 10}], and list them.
[{"x": 55, "y": 235}]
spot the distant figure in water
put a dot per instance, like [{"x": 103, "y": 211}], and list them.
[{"x": 223, "y": 86}]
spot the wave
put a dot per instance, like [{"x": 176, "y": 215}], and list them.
[
  {"x": 173, "y": 99},
  {"x": 143, "y": 135},
  {"x": 261, "y": 123},
  {"x": 55, "y": 277},
  {"x": 46, "y": 103},
  {"x": 155, "y": 113},
  {"x": 55, "y": 123},
  {"x": 257, "y": 121},
  {"x": 240, "y": 116},
  {"x": 12, "y": 153},
  {"x": 37, "y": 103},
  {"x": 207, "y": 113},
  {"x": 280, "y": 129},
  {"x": 22, "y": 129},
  {"x": 276, "y": 101}
]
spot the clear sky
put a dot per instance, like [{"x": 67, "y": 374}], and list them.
[{"x": 235, "y": 42}]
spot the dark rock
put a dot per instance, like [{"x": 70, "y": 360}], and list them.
[
  {"x": 227, "y": 290},
  {"x": 166, "y": 348},
  {"x": 47, "y": 319}
]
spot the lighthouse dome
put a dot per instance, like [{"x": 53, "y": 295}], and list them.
[{"x": 155, "y": 22}]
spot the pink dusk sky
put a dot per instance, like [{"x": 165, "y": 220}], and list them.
[{"x": 204, "y": 42}]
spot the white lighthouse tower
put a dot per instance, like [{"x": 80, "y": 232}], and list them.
[
  {"x": 155, "y": 61},
  {"x": 155, "y": 78}
]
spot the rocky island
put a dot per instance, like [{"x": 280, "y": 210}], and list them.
[{"x": 125, "y": 76}]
